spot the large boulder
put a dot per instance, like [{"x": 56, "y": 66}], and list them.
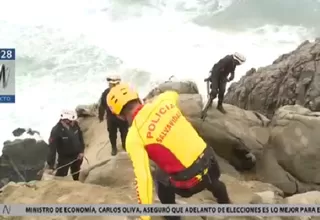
[
  {"x": 113, "y": 172},
  {"x": 236, "y": 136},
  {"x": 22, "y": 157},
  {"x": 63, "y": 192},
  {"x": 87, "y": 110},
  {"x": 96, "y": 138},
  {"x": 312, "y": 197},
  {"x": 293, "y": 78},
  {"x": 102, "y": 173},
  {"x": 187, "y": 87},
  {"x": 291, "y": 158},
  {"x": 117, "y": 173}
]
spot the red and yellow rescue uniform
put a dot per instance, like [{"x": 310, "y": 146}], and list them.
[{"x": 160, "y": 132}]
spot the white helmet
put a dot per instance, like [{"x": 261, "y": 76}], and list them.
[
  {"x": 114, "y": 79},
  {"x": 239, "y": 57},
  {"x": 68, "y": 114}
]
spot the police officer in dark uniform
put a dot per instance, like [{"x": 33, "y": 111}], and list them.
[
  {"x": 66, "y": 139},
  {"x": 113, "y": 122},
  {"x": 219, "y": 76}
]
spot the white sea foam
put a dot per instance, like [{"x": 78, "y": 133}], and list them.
[{"x": 26, "y": 135}]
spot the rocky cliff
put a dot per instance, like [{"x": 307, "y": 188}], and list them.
[
  {"x": 293, "y": 78},
  {"x": 22, "y": 157}
]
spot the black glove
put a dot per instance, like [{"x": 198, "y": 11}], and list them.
[{"x": 230, "y": 78}]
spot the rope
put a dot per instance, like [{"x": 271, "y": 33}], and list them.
[
  {"x": 101, "y": 148},
  {"x": 100, "y": 164},
  {"x": 66, "y": 164},
  {"x": 74, "y": 173},
  {"x": 71, "y": 162},
  {"x": 80, "y": 169},
  {"x": 16, "y": 169}
]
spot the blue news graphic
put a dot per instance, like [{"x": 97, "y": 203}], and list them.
[
  {"x": 7, "y": 54},
  {"x": 7, "y": 75},
  {"x": 7, "y": 98}
]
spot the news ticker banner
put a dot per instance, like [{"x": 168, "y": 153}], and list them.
[
  {"x": 7, "y": 75},
  {"x": 159, "y": 210}
]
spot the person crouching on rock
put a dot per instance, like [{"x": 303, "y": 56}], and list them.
[
  {"x": 158, "y": 131},
  {"x": 219, "y": 76},
  {"x": 113, "y": 122},
  {"x": 66, "y": 139}
]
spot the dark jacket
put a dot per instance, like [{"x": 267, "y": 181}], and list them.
[
  {"x": 68, "y": 143},
  {"x": 104, "y": 108},
  {"x": 224, "y": 67}
]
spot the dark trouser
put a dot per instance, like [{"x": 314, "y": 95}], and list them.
[
  {"x": 74, "y": 167},
  {"x": 166, "y": 192},
  {"x": 113, "y": 125},
  {"x": 218, "y": 87}
]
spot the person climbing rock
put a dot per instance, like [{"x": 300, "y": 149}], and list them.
[
  {"x": 66, "y": 139},
  {"x": 113, "y": 122},
  {"x": 219, "y": 76},
  {"x": 158, "y": 131}
]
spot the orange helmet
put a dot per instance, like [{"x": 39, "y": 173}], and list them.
[{"x": 119, "y": 96}]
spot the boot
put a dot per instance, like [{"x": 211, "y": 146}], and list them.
[
  {"x": 220, "y": 108},
  {"x": 123, "y": 144},
  {"x": 114, "y": 151}
]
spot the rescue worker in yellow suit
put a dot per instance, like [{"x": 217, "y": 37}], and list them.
[{"x": 158, "y": 131}]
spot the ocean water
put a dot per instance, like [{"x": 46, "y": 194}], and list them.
[{"x": 65, "y": 49}]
